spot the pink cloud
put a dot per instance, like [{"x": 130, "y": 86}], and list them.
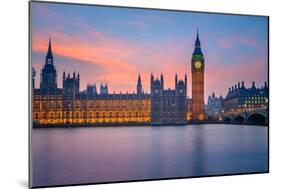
[
  {"x": 123, "y": 61},
  {"x": 117, "y": 58},
  {"x": 222, "y": 76}
]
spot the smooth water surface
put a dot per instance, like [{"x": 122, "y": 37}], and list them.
[{"x": 63, "y": 156}]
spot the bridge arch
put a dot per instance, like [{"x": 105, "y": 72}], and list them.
[
  {"x": 227, "y": 120},
  {"x": 256, "y": 118},
  {"x": 239, "y": 119}
]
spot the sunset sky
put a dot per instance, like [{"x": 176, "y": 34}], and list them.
[{"x": 116, "y": 44}]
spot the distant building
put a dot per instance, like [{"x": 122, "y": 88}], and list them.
[
  {"x": 213, "y": 108},
  {"x": 168, "y": 106},
  {"x": 242, "y": 99}
]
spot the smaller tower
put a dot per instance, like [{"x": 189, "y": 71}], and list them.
[
  {"x": 151, "y": 81},
  {"x": 180, "y": 86},
  {"x": 103, "y": 89},
  {"x": 253, "y": 85},
  {"x": 70, "y": 85},
  {"x": 243, "y": 85},
  {"x": 91, "y": 89},
  {"x": 156, "y": 85},
  {"x": 162, "y": 80},
  {"x": 49, "y": 56},
  {"x": 176, "y": 79},
  {"x": 49, "y": 74},
  {"x": 139, "y": 86}
]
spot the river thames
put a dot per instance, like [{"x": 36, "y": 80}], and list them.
[{"x": 63, "y": 156}]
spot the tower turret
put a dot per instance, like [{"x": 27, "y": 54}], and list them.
[
  {"x": 162, "y": 80},
  {"x": 139, "y": 86},
  {"x": 197, "y": 49},
  {"x": 49, "y": 73},
  {"x": 253, "y": 85},
  {"x": 49, "y": 55},
  {"x": 176, "y": 79}
]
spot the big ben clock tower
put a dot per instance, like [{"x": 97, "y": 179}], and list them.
[{"x": 197, "y": 68}]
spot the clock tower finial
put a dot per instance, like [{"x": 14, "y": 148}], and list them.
[
  {"x": 197, "y": 37},
  {"x": 197, "y": 49},
  {"x": 139, "y": 86}
]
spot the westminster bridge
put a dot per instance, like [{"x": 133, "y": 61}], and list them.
[{"x": 257, "y": 116}]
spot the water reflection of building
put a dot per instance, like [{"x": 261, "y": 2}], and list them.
[
  {"x": 242, "y": 99},
  {"x": 213, "y": 108}
]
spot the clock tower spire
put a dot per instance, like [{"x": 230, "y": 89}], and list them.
[{"x": 197, "y": 68}]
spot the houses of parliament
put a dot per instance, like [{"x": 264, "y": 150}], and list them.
[{"x": 54, "y": 106}]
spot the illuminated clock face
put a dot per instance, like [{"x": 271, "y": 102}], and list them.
[{"x": 197, "y": 64}]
